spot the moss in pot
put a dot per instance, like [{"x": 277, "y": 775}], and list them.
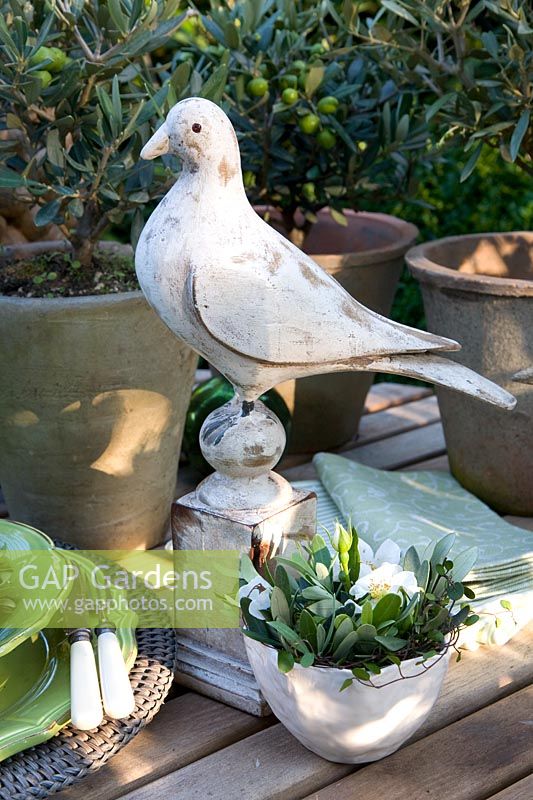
[
  {"x": 94, "y": 389},
  {"x": 350, "y": 647},
  {"x": 58, "y": 273}
]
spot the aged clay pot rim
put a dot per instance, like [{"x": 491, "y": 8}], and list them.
[
  {"x": 407, "y": 233},
  {"x": 434, "y": 274},
  {"x": 51, "y": 303},
  {"x": 392, "y": 668}
]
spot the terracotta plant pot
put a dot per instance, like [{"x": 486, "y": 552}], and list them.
[
  {"x": 93, "y": 398},
  {"x": 479, "y": 290},
  {"x": 361, "y": 723},
  {"x": 366, "y": 257}
]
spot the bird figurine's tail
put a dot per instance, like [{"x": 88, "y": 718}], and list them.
[
  {"x": 524, "y": 376},
  {"x": 442, "y": 372}
]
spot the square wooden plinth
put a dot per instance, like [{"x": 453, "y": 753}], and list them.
[{"x": 213, "y": 661}]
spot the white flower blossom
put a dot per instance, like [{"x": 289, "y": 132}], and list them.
[
  {"x": 387, "y": 553},
  {"x": 386, "y": 579},
  {"x": 259, "y": 591}
]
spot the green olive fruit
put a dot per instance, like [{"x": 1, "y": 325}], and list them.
[
  {"x": 249, "y": 179},
  {"x": 257, "y": 87},
  {"x": 42, "y": 54},
  {"x": 289, "y": 96},
  {"x": 44, "y": 76},
  {"x": 55, "y": 58},
  {"x": 58, "y": 59},
  {"x": 317, "y": 50},
  {"x": 328, "y": 105},
  {"x": 288, "y": 82},
  {"x": 326, "y": 139},
  {"x": 309, "y": 124},
  {"x": 189, "y": 25},
  {"x": 298, "y": 66},
  {"x": 308, "y": 191}
]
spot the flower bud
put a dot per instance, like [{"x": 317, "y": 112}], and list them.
[
  {"x": 342, "y": 539},
  {"x": 322, "y": 572}
]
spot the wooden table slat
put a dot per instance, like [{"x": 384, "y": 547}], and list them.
[
  {"x": 397, "y": 419},
  {"x": 276, "y": 767},
  {"x": 186, "y": 729},
  {"x": 388, "y": 394},
  {"x": 272, "y": 765},
  {"x": 393, "y": 452},
  {"x": 523, "y": 790},
  {"x": 380, "y": 425},
  {"x": 439, "y": 462}
]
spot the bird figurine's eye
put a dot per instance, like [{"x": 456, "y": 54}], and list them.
[{"x": 197, "y": 127}]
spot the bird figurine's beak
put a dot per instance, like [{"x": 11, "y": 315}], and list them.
[{"x": 157, "y": 145}]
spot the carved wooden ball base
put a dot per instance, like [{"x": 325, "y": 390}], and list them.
[{"x": 242, "y": 506}]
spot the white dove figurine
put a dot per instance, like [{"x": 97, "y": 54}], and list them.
[{"x": 249, "y": 301}]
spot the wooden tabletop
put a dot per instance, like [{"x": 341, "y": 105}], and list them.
[{"x": 477, "y": 743}]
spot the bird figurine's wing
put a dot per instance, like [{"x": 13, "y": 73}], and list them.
[{"x": 271, "y": 302}]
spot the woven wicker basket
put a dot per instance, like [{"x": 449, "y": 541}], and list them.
[{"x": 67, "y": 758}]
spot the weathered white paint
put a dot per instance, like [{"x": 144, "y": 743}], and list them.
[
  {"x": 211, "y": 660},
  {"x": 246, "y": 299},
  {"x": 243, "y": 445}
]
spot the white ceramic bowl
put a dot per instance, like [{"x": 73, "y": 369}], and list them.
[{"x": 361, "y": 723}]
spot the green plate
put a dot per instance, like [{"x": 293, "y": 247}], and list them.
[
  {"x": 18, "y": 536},
  {"x": 35, "y": 663},
  {"x": 35, "y": 688},
  {"x": 18, "y": 623}
]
